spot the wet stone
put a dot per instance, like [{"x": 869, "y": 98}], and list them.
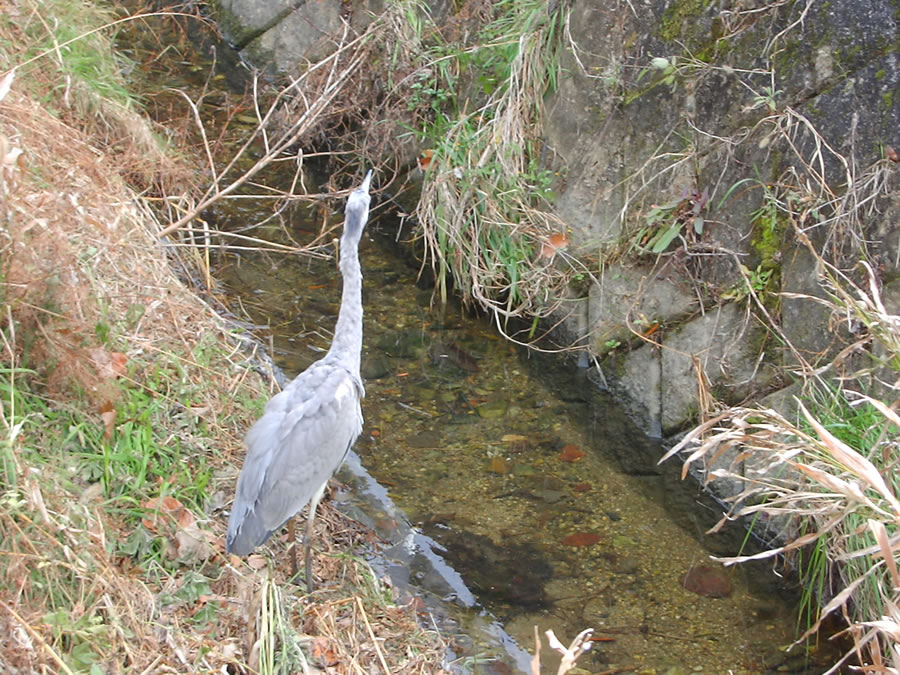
[
  {"x": 512, "y": 573},
  {"x": 549, "y": 496},
  {"x": 524, "y": 470},
  {"x": 627, "y": 565},
  {"x": 707, "y": 581},
  {"x": 375, "y": 368},
  {"x": 425, "y": 439},
  {"x": 402, "y": 345},
  {"x": 493, "y": 408}
]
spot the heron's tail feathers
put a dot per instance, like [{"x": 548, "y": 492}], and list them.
[{"x": 246, "y": 531}]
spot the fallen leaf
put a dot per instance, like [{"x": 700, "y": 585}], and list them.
[
  {"x": 110, "y": 365},
  {"x": 194, "y": 544},
  {"x": 119, "y": 362},
  {"x": 513, "y": 438},
  {"x": 582, "y": 487},
  {"x": 556, "y": 242},
  {"x": 425, "y": 158},
  {"x": 571, "y": 453},
  {"x": 164, "y": 510},
  {"x": 581, "y": 539},
  {"x": 256, "y": 562},
  {"x": 499, "y": 465},
  {"x": 323, "y": 652},
  {"x": 891, "y": 154}
]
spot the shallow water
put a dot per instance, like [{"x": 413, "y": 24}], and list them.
[{"x": 546, "y": 499}]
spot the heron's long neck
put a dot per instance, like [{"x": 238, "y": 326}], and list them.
[{"x": 347, "y": 342}]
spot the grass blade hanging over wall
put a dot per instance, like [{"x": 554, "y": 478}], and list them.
[{"x": 480, "y": 209}]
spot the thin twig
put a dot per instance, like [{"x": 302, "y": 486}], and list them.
[{"x": 387, "y": 671}]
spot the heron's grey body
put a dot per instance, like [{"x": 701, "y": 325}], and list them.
[{"x": 307, "y": 429}]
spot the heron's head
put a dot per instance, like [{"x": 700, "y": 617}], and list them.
[{"x": 357, "y": 212}]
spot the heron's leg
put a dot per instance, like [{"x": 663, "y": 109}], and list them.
[
  {"x": 313, "y": 505},
  {"x": 292, "y": 539}
]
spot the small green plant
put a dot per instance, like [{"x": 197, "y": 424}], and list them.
[
  {"x": 756, "y": 280},
  {"x": 426, "y": 91},
  {"x": 665, "y": 222},
  {"x": 665, "y": 68},
  {"x": 767, "y": 100}
]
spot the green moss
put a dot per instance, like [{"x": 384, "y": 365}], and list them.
[
  {"x": 879, "y": 75},
  {"x": 677, "y": 13},
  {"x": 888, "y": 99},
  {"x": 768, "y": 237}
]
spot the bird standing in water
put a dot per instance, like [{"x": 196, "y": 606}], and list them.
[{"x": 306, "y": 430}]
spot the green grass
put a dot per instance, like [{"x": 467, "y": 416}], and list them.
[
  {"x": 864, "y": 429},
  {"x": 143, "y": 457},
  {"x": 70, "y": 41},
  {"x": 478, "y": 107},
  {"x": 60, "y": 459}
]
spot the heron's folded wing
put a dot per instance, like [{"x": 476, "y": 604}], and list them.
[{"x": 292, "y": 450}]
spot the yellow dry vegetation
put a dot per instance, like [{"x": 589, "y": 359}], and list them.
[{"x": 123, "y": 401}]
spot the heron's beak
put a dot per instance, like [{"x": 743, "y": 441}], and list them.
[{"x": 365, "y": 184}]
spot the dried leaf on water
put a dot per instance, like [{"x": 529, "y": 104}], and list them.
[
  {"x": 581, "y": 539},
  {"x": 571, "y": 453},
  {"x": 499, "y": 465}
]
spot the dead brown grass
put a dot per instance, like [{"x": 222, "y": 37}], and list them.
[{"x": 92, "y": 306}]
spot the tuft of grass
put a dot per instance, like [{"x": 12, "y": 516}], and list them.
[
  {"x": 481, "y": 206},
  {"x": 64, "y": 44}
]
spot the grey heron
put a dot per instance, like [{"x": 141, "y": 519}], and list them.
[{"x": 308, "y": 428}]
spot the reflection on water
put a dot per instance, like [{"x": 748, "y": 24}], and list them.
[{"x": 531, "y": 482}]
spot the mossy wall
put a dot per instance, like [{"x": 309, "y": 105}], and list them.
[
  {"x": 774, "y": 115},
  {"x": 740, "y": 125}
]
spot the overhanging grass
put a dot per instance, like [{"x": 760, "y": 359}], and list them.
[{"x": 484, "y": 210}]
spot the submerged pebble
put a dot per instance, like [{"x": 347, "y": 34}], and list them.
[{"x": 707, "y": 581}]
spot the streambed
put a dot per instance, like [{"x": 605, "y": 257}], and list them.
[{"x": 544, "y": 497}]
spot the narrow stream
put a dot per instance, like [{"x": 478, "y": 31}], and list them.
[
  {"x": 543, "y": 496},
  {"x": 510, "y": 486}
]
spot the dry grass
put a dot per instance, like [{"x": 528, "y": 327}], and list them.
[
  {"x": 106, "y": 354},
  {"x": 824, "y": 487}
]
